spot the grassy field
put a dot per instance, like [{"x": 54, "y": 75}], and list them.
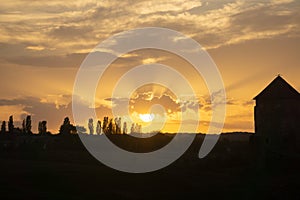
[{"x": 60, "y": 168}]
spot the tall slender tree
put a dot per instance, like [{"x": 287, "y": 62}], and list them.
[
  {"x": 28, "y": 125},
  {"x": 91, "y": 126},
  {"x": 3, "y": 127},
  {"x": 98, "y": 127},
  {"x": 11, "y": 124}
]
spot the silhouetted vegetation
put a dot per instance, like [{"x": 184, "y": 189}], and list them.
[
  {"x": 28, "y": 125},
  {"x": 98, "y": 128},
  {"x": 11, "y": 125},
  {"x": 3, "y": 127},
  {"x": 67, "y": 128},
  {"x": 109, "y": 126}
]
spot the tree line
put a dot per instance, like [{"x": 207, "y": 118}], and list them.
[{"x": 107, "y": 126}]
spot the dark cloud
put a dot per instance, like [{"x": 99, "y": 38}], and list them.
[
  {"x": 267, "y": 18},
  {"x": 207, "y": 108},
  {"x": 120, "y": 106},
  {"x": 70, "y": 60},
  {"x": 9, "y": 50},
  {"x": 20, "y": 101},
  {"x": 71, "y": 32},
  {"x": 248, "y": 103},
  {"x": 142, "y": 104},
  {"x": 73, "y": 60},
  {"x": 101, "y": 12},
  {"x": 208, "y": 6},
  {"x": 192, "y": 105},
  {"x": 231, "y": 102}
]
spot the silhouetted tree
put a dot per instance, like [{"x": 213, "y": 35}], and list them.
[
  {"x": 105, "y": 125},
  {"x": 139, "y": 128},
  {"x": 110, "y": 126},
  {"x": 24, "y": 126},
  {"x": 42, "y": 128},
  {"x": 28, "y": 125},
  {"x": 67, "y": 127},
  {"x": 91, "y": 126},
  {"x": 114, "y": 130},
  {"x": 3, "y": 127},
  {"x": 132, "y": 128},
  {"x": 136, "y": 128},
  {"x": 98, "y": 128},
  {"x": 118, "y": 125},
  {"x": 125, "y": 128},
  {"x": 11, "y": 124}
]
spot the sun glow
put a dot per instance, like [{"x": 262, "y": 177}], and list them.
[{"x": 146, "y": 117}]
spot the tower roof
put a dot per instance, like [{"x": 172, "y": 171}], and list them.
[{"x": 278, "y": 89}]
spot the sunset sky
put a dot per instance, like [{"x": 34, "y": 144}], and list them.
[{"x": 43, "y": 43}]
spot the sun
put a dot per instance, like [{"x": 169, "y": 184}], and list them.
[{"x": 146, "y": 117}]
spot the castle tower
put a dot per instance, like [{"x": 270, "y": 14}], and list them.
[{"x": 277, "y": 116}]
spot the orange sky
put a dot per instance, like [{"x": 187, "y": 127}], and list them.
[{"x": 43, "y": 43}]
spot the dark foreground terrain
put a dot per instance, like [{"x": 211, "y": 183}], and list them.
[{"x": 59, "y": 167}]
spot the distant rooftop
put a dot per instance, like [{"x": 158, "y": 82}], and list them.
[{"x": 278, "y": 89}]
